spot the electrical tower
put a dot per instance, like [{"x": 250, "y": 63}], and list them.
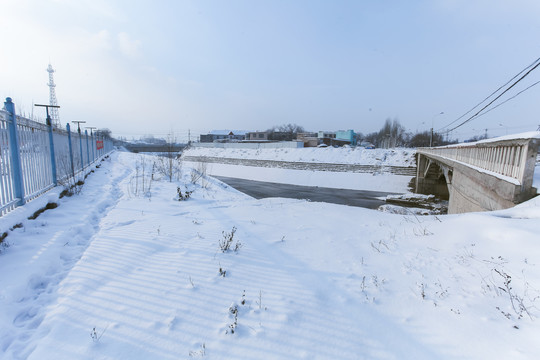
[{"x": 55, "y": 120}]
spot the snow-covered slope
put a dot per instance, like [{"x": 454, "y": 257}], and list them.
[
  {"x": 122, "y": 272},
  {"x": 377, "y": 179},
  {"x": 340, "y": 155}
]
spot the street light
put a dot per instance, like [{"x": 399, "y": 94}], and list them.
[
  {"x": 79, "y": 122},
  {"x": 92, "y": 128},
  {"x": 432, "y": 123},
  {"x": 51, "y": 142}
]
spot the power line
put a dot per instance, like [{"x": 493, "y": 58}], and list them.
[
  {"x": 493, "y": 93},
  {"x": 491, "y": 102},
  {"x": 507, "y": 100}
]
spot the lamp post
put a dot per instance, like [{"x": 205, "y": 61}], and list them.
[
  {"x": 79, "y": 122},
  {"x": 51, "y": 142},
  {"x": 432, "y": 123},
  {"x": 93, "y": 143}
]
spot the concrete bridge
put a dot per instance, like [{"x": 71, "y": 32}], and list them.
[
  {"x": 486, "y": 175},
  {"x": 161, "y": 148}
]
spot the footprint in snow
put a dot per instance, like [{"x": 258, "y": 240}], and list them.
[
  {"x": 125, "y": 223},
  {"x": 28, "y": 318}
]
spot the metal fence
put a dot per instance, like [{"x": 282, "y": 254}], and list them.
[{"x": 35, "y": 157}]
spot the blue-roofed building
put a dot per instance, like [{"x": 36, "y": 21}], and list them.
[{"x": 346, "y": 135}]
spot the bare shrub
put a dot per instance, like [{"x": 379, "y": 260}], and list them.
[
  {"x": 226, "y": 243},
  {"x": 199, "y": 173}
]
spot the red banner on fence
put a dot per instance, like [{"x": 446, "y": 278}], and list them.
[{"x": 99, "y": 144}]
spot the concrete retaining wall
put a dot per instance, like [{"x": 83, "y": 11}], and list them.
[{"x": 250, "y": 145}]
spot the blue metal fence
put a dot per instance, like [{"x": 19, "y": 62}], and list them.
[{"x": 35, "y": 157}]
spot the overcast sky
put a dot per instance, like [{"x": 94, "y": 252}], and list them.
[{"x": 151, "y": 67}]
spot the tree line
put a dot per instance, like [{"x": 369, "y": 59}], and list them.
[{"x": 391, "y": 135}]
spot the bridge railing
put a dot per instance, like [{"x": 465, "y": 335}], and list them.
[
  {"x": 27, "y": 168},
  {"x": 507, "y": 157}
]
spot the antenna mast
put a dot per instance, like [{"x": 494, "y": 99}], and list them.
[{"x": 55, "y": 120}]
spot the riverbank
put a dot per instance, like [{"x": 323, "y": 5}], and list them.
[{"x": 370, "y": 169}]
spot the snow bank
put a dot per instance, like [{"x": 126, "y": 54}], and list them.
[
  {"x": 376, "y": 181},
  {"x": 340, "y": 155},
  {"x": 121, "y": 273}
]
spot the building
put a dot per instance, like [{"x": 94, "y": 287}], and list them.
[
  {"x": 326, "y": 138},
  {"x": 326, "y": 135},
  {"x": 223, "y": 136},
  {"x": 348, "y": 136},
  {"x": 309, "y": 139},
  {"x": 257, "y": 136}
]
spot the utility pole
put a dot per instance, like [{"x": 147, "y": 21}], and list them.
[
  {"x": 79, "y": 122},
  {"x": 51, "y": 143},
  {"x": 92, "y": 139},
  {"x": 432, "y": 125},
  {"x": 49, "y": 120}
]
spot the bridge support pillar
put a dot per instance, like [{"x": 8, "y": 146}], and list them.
[{"x": 430, "y": 178}]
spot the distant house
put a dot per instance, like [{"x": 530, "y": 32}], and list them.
[
  {"x": 281, "y": 136},
  {"x": 337, "y": 138},
  {"x": 348, "y": 136},
  {"x": 223, "y": 136},
  {"x": 326, "y": 135},
  {"x": 326, "y": 138},
  {"x": 257, "y": 136},
  {"x": 309, "y": 139}
]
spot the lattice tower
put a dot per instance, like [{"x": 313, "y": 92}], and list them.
[{"x": 53, "y": 112}]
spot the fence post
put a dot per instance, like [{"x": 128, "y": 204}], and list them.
[
  {"x": 80, "y": 146},
  {"x": 70, "y": 151},
  {"x": 14, "y": 152},
  {"x": 93, "y": 144},
  {"x": 51, "y": 145},
  {"x": 87, "y": 148}
]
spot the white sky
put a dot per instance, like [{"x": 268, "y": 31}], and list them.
[{"x": 141, "y": 67}]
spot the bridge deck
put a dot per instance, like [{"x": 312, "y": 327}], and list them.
[{"x": 486, "y": 175}]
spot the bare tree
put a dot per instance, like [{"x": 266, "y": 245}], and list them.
[
  {"x": 170, "y": 163},
  {"x": 285, "y": 132}
]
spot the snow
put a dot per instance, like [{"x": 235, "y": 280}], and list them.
[
  {"x": 378, "y": 180},
  {"x": 116, "y": 272},
  {"x": 340, "y": 155},
  {"x": 404, "y": 210},
  {"x": 525, "y": 135},
  {"x": 520, "y": 136}
]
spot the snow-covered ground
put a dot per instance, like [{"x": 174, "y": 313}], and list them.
[
  {"x": 122, "y": 272},
  {"x": 378, "y": 180},
  {"x": 339, "y": 155}
]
